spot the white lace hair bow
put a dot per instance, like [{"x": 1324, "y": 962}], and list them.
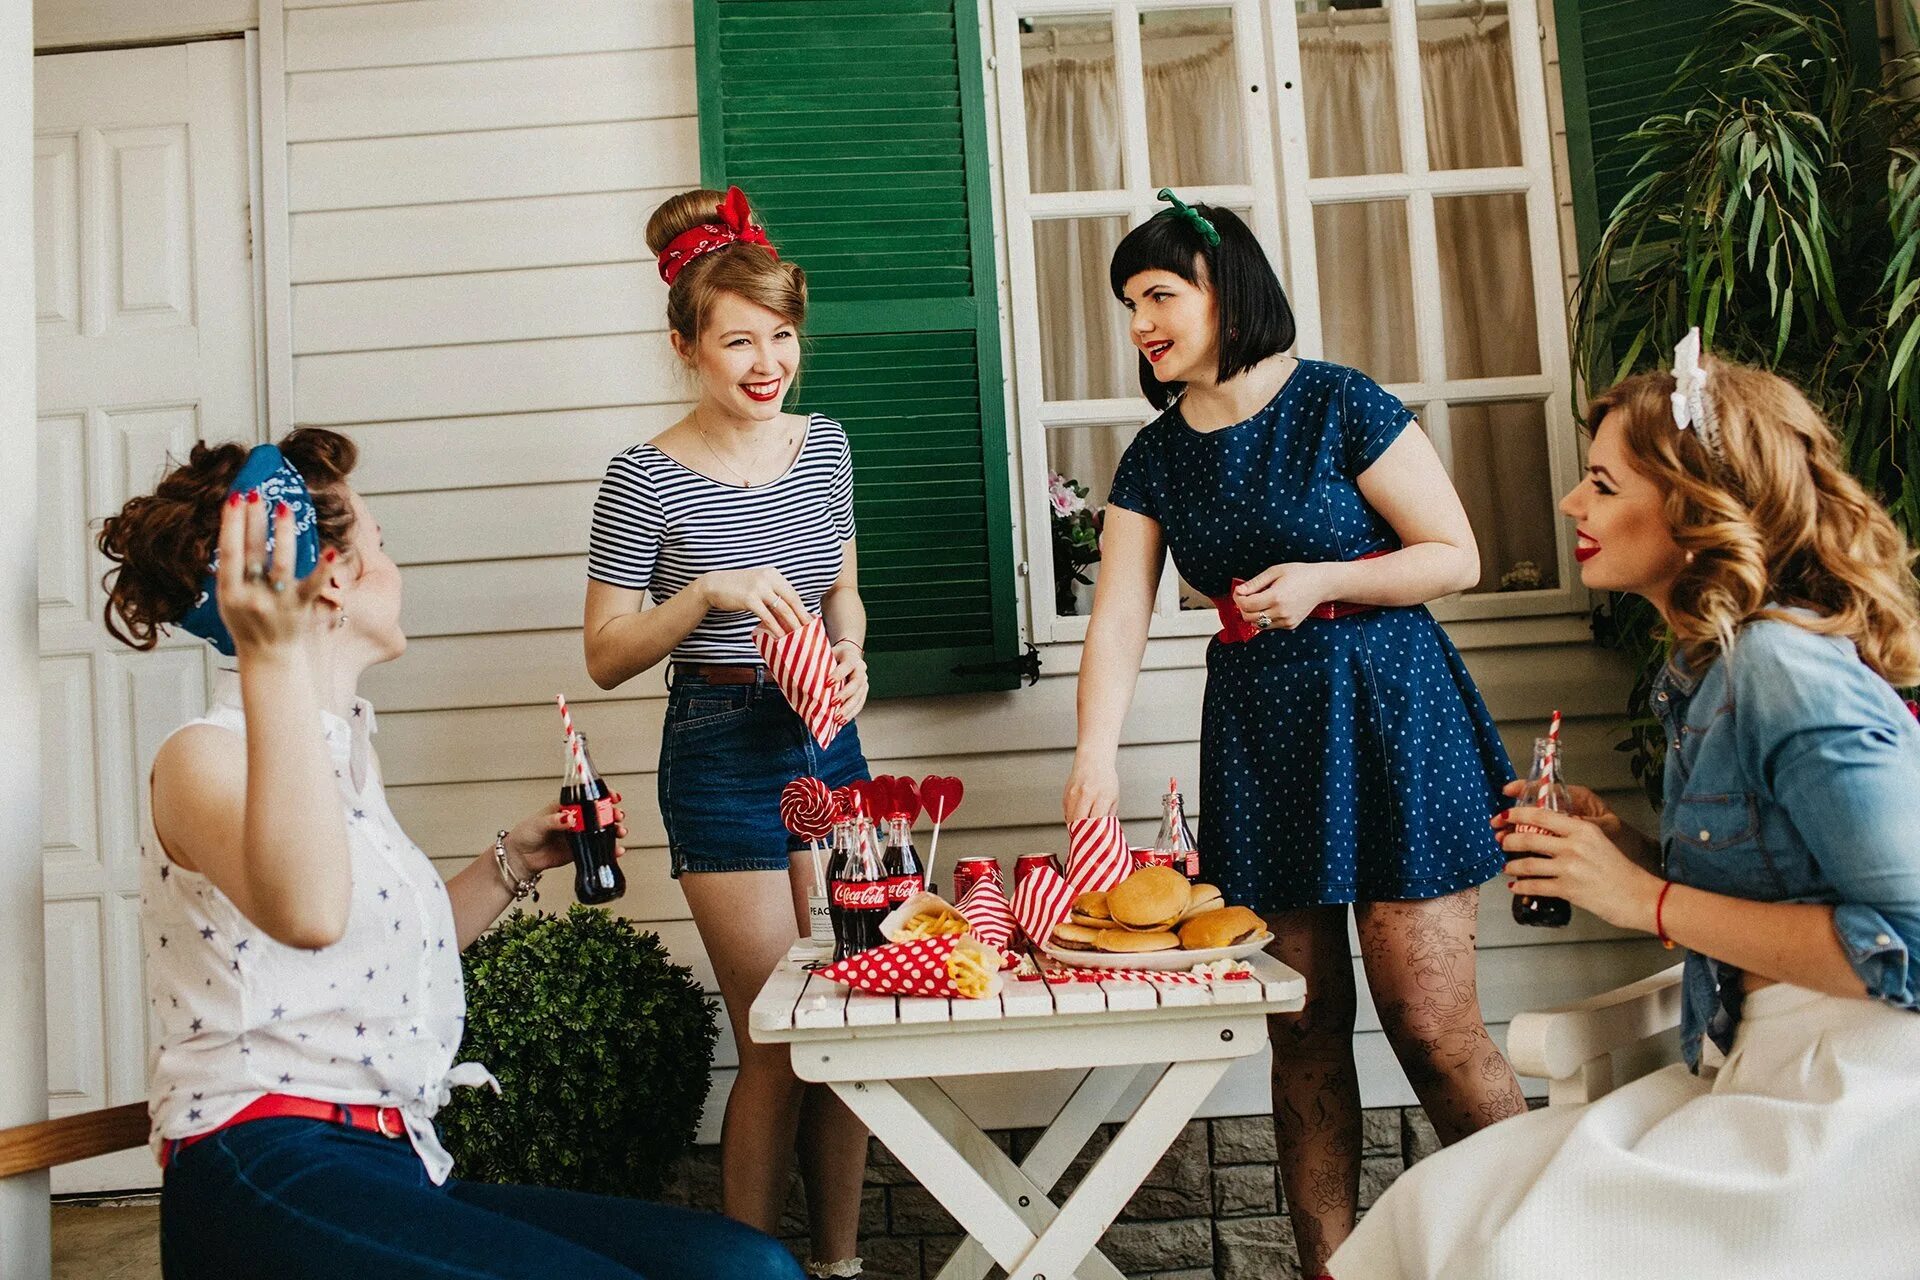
[{"x": 1691, "y": 410}]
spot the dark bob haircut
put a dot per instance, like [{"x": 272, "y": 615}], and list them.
[{"x": 1255, "y": 320}]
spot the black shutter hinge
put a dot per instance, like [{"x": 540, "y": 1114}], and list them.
[{"x": 1026, "y": 666}]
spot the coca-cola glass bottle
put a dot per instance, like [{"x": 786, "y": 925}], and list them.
[
  {"x": 1173, "y": 846},
  {"x": 901, "y": 862},
  {"x": 1543, "y": 791},
  {"x": 858, "y": 894},
  {"x": 587, "y": 803}
]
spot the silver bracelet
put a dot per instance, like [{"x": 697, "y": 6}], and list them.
[{"x": 520, "y": 889}]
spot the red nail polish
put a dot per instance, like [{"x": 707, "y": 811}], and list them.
[
  {"x": 253, "y": 497},
  {"x": 233, "y": 499},
  {"x": 281, "y": 509},
  {"x": 328, "y": 555}
]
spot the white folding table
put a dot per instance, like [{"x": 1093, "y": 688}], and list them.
[{"x": 885, "y": 1056}]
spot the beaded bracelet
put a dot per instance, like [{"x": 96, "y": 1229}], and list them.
[{"x": 519, "y": 888}]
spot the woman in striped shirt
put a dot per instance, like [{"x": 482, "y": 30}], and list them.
[{"x": 737, "y": 516}]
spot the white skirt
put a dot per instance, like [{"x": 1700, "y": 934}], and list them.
[{"x": 1799, "y": 1158}]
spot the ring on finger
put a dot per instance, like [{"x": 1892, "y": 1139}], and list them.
[
  {"x": 1263, "y": 622},
  {"x": 255, "y": 572}
]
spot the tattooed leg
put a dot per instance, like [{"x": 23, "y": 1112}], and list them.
[
  {"x": 1316, "y": 1092},
  {"x": 1419, "y": 959}
]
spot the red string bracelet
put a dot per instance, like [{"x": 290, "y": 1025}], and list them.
[{"x": 1659, "y": 908}]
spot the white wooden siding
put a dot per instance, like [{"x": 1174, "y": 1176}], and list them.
[{"x": 472, "y": 301}]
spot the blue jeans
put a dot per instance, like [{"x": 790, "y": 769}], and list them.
[
  {"x": 726, "y": 752},
  {"x": 291, "y": 1199}
]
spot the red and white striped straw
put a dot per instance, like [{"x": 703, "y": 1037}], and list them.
[
  {"x": 573, "y": 739},
  {"x": 1553, "y": 744}
]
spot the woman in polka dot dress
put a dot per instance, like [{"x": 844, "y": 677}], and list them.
[{"x": 1346, "y": 756}]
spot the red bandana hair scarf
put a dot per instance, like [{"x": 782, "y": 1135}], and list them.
[{"x": 735, "y": 225}]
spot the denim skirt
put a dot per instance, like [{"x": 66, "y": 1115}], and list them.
[{"x": 726, "y": 753}]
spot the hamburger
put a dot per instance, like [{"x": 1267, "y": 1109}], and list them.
[
  {"x": 1090, "y": 910},
  {"x": 1135, "y": 941},
  {"x": 1203, "y": 897},
  {"x": 1074, "y": 937},
  {"x": 1221, "y": 927},
  {"x": 1151, "y": 898}
]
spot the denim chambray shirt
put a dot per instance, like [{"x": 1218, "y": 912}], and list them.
[{"x": 1793, "y": 775}]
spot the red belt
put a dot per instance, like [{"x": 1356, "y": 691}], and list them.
[
  {"x": 388, "y": 1122},
  {"x": 1235, "y": 629}
]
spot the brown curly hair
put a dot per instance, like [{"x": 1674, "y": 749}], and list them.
[
  {"x": 161, "y": 543},
  {"x": 1776, "y": 518},
  {"x": 748, "y": 270}
]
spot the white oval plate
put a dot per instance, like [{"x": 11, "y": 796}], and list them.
[{"x": 1158, "y": 960}]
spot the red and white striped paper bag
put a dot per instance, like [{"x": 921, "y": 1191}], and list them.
[
  {"x": 988, "y": 913},
  {"x": 801, "y": 663},
  {"x": 1098, "y": 858}
]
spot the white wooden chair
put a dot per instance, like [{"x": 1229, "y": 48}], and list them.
[{"x": 1586, "y": 1048}]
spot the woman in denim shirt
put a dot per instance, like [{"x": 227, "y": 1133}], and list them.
[{"x": 1788, "y": 866}]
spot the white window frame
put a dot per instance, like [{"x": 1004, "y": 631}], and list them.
[{"x": 1274, "y": 133}]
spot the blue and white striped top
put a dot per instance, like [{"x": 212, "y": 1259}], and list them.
[{"x": 658, "y": 524}]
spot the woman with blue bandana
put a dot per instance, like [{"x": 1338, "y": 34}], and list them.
[{"x": 302, "y": 953}]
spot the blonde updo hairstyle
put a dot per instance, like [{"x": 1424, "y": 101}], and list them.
[
  {"x": 1775, "y": 518},
  {"x": 745, "y": 269}
]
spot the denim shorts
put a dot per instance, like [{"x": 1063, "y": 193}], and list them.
[{"x": 725, "y": 754}]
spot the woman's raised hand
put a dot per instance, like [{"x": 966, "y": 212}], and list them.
[
  {"x": 1093, "y": 788},
  {"x": 263, "y": 605},
  {"x": 763, "y": 592}
]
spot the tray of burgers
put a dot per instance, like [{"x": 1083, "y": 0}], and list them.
[{"x": 1155, "y": 919}]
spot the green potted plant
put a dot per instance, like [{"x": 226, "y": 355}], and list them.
[
  {"x": 1076, "y": 540},
  {"x": 1776, "y": 204},
  {"x": 603, "y": 1048}
]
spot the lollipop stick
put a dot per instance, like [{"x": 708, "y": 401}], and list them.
[
  {"x": 819, "y": 867},
  {"x": 933, "y": 851}
]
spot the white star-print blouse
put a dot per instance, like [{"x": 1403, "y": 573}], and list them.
[{"x": 373, "y": 1019}]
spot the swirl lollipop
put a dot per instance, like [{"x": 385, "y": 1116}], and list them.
[{"x": 807, "y": 810}]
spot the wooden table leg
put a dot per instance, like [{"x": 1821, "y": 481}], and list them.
[
  {"x": 1156, "y": 1122},
  {"x": 1027, "y": 1187}
]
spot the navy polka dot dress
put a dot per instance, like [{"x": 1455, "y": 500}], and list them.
[{"x": 1350, "y": 759}]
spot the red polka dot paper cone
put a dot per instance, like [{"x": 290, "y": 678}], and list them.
[{"x": 952, "y": 967}]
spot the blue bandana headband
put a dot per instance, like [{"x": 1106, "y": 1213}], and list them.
[{"x": 268, "y": 471}]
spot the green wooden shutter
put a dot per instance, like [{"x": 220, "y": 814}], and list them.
[
  {"x": 1617, "y": 58},
  {"x": 858, "y": 129}
]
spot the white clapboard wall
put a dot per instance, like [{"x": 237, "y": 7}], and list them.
[{"x": 472, "y": 301}]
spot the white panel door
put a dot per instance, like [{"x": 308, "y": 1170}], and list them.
[{"x": 147, "y": 320}]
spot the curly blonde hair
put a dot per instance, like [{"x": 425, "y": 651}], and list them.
[{"x": 1774, "y": 519}]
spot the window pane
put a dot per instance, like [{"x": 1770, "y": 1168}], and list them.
[
  {"x": 1466, "y": 72},
  {"x": 1085, "y": 353},
  {"x": 1073, "y": 111},
  {"x": 1346, "y": 72},
  {"x": 1500, "y": 468},
  {"x": 1086, "y": 456},
  {"x": 1366, "y": 287},
  {"x": 1486, "y": 286},
  {"x": 1193, "y": 99}
]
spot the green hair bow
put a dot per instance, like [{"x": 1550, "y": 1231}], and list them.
[{"x": 1181, "y": 209}]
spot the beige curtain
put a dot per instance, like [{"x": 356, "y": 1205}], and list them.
[{"x": 1365, "y": 276}]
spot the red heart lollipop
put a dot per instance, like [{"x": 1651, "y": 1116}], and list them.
[
  {"x": 880, "y": 793},
  {"x": 806, "y": 808},
  {"x": 906, "y": 799},
  {"x": 941, "y": 796}
]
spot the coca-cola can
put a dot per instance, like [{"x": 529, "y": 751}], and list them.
[
  {"x": 1028, "y": 862},
  {"x": 970, "y": 871},
  {"x": 1152, "y": 858}
]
